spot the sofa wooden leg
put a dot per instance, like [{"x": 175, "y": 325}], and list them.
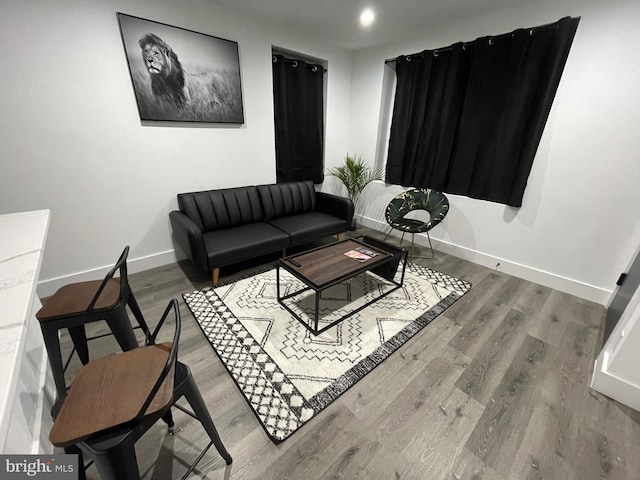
[
  {"x": 214, "y": 276},
  {"x": 339, "y": 236}
]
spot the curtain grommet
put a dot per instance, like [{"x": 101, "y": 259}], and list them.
[
  {"x": 492, "y": 41},
  {"x": 435, "y": 53},
  {"x": 295, "y": 63}
]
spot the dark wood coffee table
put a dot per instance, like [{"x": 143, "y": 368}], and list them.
[{"x": 326, "y": 266}]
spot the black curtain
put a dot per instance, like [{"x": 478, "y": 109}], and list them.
[
  {"x": 468, "y": 118},
  {"x": 299, "y": 126}
]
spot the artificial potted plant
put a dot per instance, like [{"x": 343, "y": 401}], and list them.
[{"x": 355, "y": 174}]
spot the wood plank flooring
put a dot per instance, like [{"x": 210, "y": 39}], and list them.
[{"x": 496, "y": 388}]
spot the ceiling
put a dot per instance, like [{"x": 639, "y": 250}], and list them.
[{"x": 336, "y": 21}]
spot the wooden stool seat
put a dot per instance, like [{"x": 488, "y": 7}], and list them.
[
  {"x": 74, "y": 299},
  {"x": 109, "y": 392}
]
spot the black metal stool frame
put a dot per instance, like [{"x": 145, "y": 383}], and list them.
[
  {"x": 114, "y": 453},
  {"x": 116, "y": 317}
]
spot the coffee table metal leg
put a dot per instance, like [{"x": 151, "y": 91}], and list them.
[{"x": 318, "y": 294}]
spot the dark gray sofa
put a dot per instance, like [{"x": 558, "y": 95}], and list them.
[{"x": 216, "y": 228}]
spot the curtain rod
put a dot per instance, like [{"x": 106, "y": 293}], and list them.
[
  {"x": 294, "y": 62},
  {"x": 436, "y": 51}
]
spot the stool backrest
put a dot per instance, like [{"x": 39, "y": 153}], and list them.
[
  {"x": 121, "y": 265},
  {"x": 170, "y": 366}
]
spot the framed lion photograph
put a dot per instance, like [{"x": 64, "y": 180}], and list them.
[{"x": 181, "y": 75}]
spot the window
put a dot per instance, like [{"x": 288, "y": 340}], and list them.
[
  {"x": 298, "y": 97},
  {"x": 467, "y": 119}
]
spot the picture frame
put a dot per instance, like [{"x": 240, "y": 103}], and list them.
[{"x": 180, "y": 75}]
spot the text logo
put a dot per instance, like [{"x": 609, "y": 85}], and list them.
[{"x": 49, "y": 467}]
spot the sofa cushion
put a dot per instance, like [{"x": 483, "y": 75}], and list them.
[
  {"x": 285, "y": 199},
  {"x": 308, "y": 226},
  {"x": 232, "y": 245},
  {"x": 225, "y": 208}
]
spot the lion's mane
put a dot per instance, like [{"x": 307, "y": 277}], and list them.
[{"x": 165, "y": 70}]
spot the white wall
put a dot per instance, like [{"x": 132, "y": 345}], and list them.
[
  {"x": 72, "y": 141},
  {"x": 580, "y": 221}
]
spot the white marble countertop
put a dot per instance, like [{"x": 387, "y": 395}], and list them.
[{"x": 22, "y": 238}]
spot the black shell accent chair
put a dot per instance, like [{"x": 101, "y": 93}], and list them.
[{"x": 435, "y": 203}]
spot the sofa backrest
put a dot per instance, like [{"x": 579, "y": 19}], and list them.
[
  {"x": 224, "y": 208},
  {"x": 284, "y": 199}
]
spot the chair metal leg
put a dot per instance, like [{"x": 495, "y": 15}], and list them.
[
  {"x": 79, "y": 338},
  {"x": 390, "y": 230},
  {"x": 168, "y": 419},
  {"x": 411, "y": 254},
  {"x": 433, "y": 253},
  {"x": 117, "y": 461},
  {"x": 192, "y": 394},
  {"x": 121, "y": 327},
  {"x": 74, "y": 450},
  {"x": 52, "y": 345},
  {"x": 402, "y": 240},
  {"x": 137, "y": 313}
]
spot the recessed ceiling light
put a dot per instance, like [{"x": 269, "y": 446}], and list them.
[{"x": 367, "y": 17}]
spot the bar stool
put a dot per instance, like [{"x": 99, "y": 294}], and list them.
[
  {"x": 77, "y": 304},
  {"x": 114, "y": 400}
]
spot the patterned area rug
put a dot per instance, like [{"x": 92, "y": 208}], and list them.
[{"x": 289, "y": 375}]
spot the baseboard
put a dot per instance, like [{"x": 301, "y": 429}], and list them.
[
  {"x": 574, "y": 287},
  {"x": 564, "y": 284},
  {"x": 48, "y": 287}
]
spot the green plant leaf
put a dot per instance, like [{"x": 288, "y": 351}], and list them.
[{"x": 355, "y": 174}]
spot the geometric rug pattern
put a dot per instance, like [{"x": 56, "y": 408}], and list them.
[{"x": 287, "y": 374}]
